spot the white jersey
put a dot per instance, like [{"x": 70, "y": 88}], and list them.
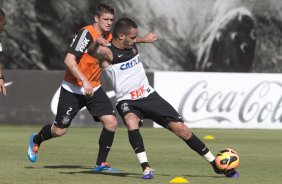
[{"x": 127, "y": 75}]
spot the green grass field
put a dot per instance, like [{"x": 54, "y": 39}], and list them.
[{"x": 69, "y": 159}]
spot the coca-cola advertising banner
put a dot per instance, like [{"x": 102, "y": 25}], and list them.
[{"x": 224, "y": 100}]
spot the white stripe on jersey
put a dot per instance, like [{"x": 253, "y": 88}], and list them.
[
  {"x": 129, "y": 79},
  {"x": 82, "y": 42}
]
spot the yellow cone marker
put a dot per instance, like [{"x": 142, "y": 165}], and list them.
[
  {"x": 179, "y": 180},
  {"x": 209, "y": 137}
]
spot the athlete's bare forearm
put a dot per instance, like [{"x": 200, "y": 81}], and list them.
[
  {"x": 102, "y": 53},
  {"x": 70, "y": 62},
  {"x": 148, "y": 38}
]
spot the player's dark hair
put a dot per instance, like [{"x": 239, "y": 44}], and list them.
[
  {"x": 2, "y": 13},
  {"x": 123, "y": 26},
  {"x": 104, "y": 8}
]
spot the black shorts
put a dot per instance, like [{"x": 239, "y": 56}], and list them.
[
  {"x": 70, "y": 104},
  {"x": 153, "y": 107}
]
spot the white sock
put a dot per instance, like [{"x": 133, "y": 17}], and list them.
[
  {"x": 142, "y": 157},
  {"x": 209, "y": 157}
]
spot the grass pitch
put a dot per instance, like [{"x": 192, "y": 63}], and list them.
[{"x": 70, "y": 159}]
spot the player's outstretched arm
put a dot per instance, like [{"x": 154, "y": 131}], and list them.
[
  {"x": 148, "y": 38},
  {"x": 102, "y": 53}
]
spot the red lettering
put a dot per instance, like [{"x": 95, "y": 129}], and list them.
[{"x": 137, "y": 93}]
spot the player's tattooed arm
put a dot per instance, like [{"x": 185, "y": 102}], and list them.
[{"x": 102, "y": 53}]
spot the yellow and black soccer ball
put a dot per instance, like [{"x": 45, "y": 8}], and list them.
[{"x": 227, "y": 159}]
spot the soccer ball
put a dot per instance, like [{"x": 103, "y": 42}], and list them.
[{"x": 227, "y": 159}]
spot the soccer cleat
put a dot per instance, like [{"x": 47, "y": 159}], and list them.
[
  {"x": 32, "y": 150},
  {"x": 148, "y": 173},
  {"x": 232, "y": 174},
  {"x": 104, "y": 167},
  {"x": 218, "y": 171}
]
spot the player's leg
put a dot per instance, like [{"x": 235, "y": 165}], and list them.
[
  {"x": 160, "y": 111},
  {"x": 182, "y": 131},
  {"x": 68, "y": 106},
  {"x": 100, "y": 107},
  {"x": 136, "y": 141},
  {"x": 105, "y": 142},
  {"x": 131, "y": 118}
]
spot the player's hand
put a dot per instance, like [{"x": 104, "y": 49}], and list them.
[
  {"x": 88, "y": 88},
  {"x": 150, "y": 38},
  {"x": 102, "y": 41}
]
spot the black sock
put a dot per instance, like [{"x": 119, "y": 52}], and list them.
[
  {"x": 213, "y": 164},
  {"x": 136, "y": 141},
  {"x": 197, "y": 145},
  {"x": 44, "y": 135},
  {"x": 144, "y": 165},
  {"x": 105, "y": 143}
]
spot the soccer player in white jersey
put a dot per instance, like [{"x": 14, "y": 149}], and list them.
[{"x": 137, "y": 100}]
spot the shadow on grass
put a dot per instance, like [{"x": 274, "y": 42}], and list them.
[
  {"x": 204, "y": 176},
  {"x": 66, "y": 167},
  {"x": 138, "y": 175},
  {"x": 60, "y": 167},
  {"x": 88, "y": 170},
  {"x": 119, "y": 174}
]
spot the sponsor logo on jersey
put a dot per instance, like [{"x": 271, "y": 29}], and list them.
[
  {"x": 84, "y": 44},
  {"x": 137, "y": 93},
  {"x": 129, "y": 64}
]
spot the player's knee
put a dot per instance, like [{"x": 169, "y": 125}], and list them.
[
  {"x": 181, "y": 130},
  {"x": 131, "y": 121},
  {"x": 58, "y": 132},
  {"x": 110, "y": 123},
  {"x": 186, "y": 133}
]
